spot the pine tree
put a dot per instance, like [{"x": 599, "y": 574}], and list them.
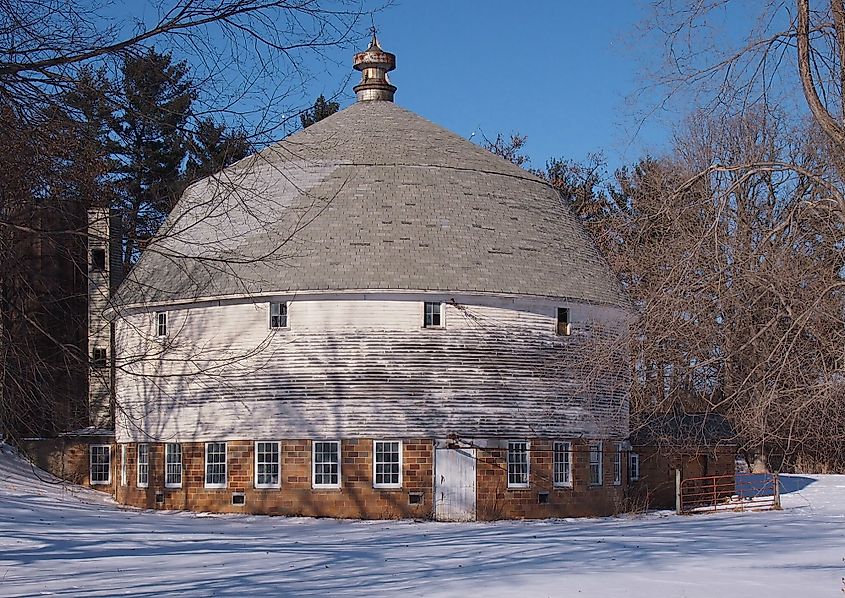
[
  {"x": 321, "y": 109},
  {"x": 149, "y": 144},
  {"x": 213, "y": 146}
]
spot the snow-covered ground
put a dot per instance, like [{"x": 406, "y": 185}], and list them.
[{"x": 64, "y": 540}]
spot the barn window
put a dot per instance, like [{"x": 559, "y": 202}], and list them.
[
  {"x": 215, "y": 464},
  {"x": 267, "y": 465},
  {"x": 143, "y": 468},
  {"x": 161, "y": 323},
  {"x": 98, "y": 258},
  {"x": 99, "y": 357},
  {"x": 387, "y": 464},
  {"x": 432, "y": 315},
  {"x": 325, "y": 464},
  {"x": 563, "y": 464},
  {"x": 122, "y": 464},
  {"x": 617, "y": 465},
  {"x": 173, "y": 465},
  {"x": 278, "y": 315},
  {"x": 634, "y": 466},
  {"x": 100, "y": 472},
  {"x": 563, "y": 326},
  {"x": 595, "y": 464},
  {"x": 517, "y": 464}
]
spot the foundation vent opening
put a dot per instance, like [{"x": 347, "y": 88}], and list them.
[
  {"x": 415, "y": 498},
  {"x": 543, "y": 498},
  {"x": 238, "y": 499},
  {"x": 159, "y": 498}
]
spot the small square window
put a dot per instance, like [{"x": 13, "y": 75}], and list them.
[
  {"x": 518, "y": 464},
  {"x": 100, "y": 472},
  {"x": 161, "y": 323},
  {"x": 98, "y": 259},
  {"x": 278, "y": 315},
  {"x": 99, "y": 357},
  {"x": 432, "y": 315},
  {"x": 563, "y": 325}
]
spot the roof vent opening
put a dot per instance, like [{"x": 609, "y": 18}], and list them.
[{"x": 374, "y": 64}]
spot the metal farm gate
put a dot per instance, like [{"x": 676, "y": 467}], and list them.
[{"x": 734, "y": 492}]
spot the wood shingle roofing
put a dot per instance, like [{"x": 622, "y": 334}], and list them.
[{"x": 373, "y": 197}]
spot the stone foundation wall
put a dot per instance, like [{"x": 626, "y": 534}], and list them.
[
  {"x": 357, "y": 498},
  {"x": 68, "y": 457},
  {"x": 496, "y": 501}
]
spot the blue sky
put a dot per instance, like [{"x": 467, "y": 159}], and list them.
[{"x": 556, "y": 71}]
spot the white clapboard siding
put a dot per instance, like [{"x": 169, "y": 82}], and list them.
[{"x": 363, "y": 366}]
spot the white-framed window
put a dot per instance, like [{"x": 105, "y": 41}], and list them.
[
  {"x": 518, "y": 464},
  {"x": 99, "y": 357},
  {"x": 325, "y": 464},
  {"x": 562, "y": 463},
  {"x": 596, "y": 463},
  {"x": 215, "y": 464},
  {"x": 279, "y": 315},
  {"x": 387, "y": 463},
  {"x": 432, "y": 314},
  {"x": 564, "y": 328},
  {"x": 122, "y": 464},
  {"x": 634, "y": 466},
  {"x": 161, "y": 323},
  {"x": 98, "y": 259},
  {"x": 173, "y": 465},
  {"x": 143, "y": 465},
  {"x": 100, "y": 464},
  {"x": 617, "y": 464},
  {"x": 267, "y": 465}
]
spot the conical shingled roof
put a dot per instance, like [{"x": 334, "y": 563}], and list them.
[{"x": 373, "y": 197}]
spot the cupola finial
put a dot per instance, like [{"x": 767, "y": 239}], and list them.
[{"x": 374, "y": 64}]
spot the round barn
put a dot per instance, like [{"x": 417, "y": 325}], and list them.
[{"x": 372, "y": 318}]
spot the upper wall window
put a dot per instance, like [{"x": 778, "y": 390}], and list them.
[
  {"x": 563, "y": 326},
  {"x": 98, "y": 258},
  {"x": 99, "y": 357},
  {"x": 517, "y": 464},
  {"x": 278, "y": 315},
  {"x": 161, "y": 323},
  {"x": 432, "y": 314},
  {"x": 100, "y": 472}
]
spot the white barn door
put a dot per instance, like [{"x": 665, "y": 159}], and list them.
[{"x": 454, "y": 484}]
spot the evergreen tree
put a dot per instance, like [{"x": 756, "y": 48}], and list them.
[
  {"x": 213, "y": 146},
  {"x": 321, "y": 109},
  {"x": 149, "y": 144}
]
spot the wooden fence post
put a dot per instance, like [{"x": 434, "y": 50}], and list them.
[
  {"x": 678, "y": 491},
  {"x": 776, "y": 482}
]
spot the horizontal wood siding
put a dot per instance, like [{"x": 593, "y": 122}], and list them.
[{"x": 363, "y": 366}]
